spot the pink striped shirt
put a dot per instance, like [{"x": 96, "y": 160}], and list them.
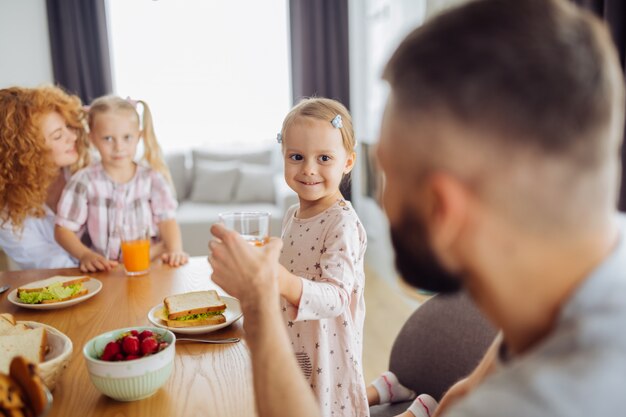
[{"x": 94, "y": 203}]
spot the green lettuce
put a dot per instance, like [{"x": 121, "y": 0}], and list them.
[
  {"x": 196, "y": 316},
  {"x": 55, "y": 291}
]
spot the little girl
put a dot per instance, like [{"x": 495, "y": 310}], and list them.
[
  {"x": 117, "y": 192},
  {"x": 321, "y": 277}
]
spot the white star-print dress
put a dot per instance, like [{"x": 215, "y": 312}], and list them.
[{"x": 326, "y": 331}]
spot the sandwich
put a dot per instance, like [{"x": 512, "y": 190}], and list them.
[
  {"x": 19, "y": 339},
  {"x": 52, "y": 290},
  {"x": 197, "y": 308}
]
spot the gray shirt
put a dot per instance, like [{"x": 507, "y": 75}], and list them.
[{"x": 580, "y": 368}]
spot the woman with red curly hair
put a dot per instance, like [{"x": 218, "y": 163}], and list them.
[{"x": 42, "y": 142}]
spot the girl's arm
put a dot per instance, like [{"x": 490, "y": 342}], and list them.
[
  {"x": 72, "y": 212},
  {"x": 289, "y": 285},
  {"x": 89, "y": 260},
  {"x": 170, "y": 233},
  {"x": 163, "y": 206},
  {"x": 340, "y": 267}
]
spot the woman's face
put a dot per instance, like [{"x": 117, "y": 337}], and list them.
[{"x": 60, "y": 139}]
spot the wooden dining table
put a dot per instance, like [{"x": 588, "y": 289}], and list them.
[{"x": 207, "y": 380}]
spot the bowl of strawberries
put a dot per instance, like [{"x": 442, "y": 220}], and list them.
[{"x": 132, "y": 363}]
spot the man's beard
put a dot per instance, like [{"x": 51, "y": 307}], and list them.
[{"x": 416, "y": 261}]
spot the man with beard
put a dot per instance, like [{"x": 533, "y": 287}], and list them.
[{"x": 500, "y": 145}]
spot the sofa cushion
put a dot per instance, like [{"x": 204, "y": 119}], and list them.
[
  {"x": 259, "y": 157},
  {"x": 176, "y": 162},
  {"x": 214, "y": 182},
  {"x": 256, "y": 184}
]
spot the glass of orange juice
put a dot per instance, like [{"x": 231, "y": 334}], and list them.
[
  {"x": 136, "y": 250},
  {"x": 253, "y": 226}
]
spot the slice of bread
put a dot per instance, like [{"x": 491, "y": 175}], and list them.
[
  {"x": 40, "y": 285},
  {"x": 31, "y": 344},
  {"x": 17, "y": 329},
  {"x": 195, "y": 302},
  {"x": 7, "y": 317},
  {"x": 6, "y": 324}
]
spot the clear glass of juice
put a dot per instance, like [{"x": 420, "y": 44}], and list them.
[
  {"x": 135, "y": 250},
  {"x": 253, "y": 226}
]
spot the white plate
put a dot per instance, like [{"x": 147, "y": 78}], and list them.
[
  {"x": 232, "y": 314},
  {"x": 93, "y": 286}
]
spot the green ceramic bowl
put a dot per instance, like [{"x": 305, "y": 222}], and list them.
[{"x": 129, "y": 380}]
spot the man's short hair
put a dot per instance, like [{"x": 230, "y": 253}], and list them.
[{"x": 539, "y": 74}]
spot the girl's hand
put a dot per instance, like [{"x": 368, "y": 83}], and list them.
[
  {"x": 93, "y": 262},
  {"x": 175, "y": 258}
]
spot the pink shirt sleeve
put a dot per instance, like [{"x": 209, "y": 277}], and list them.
[
  {"x": 72, "y": 209},
  {"x": 329, "y": 296},
  {"x": 162, "y": 201}
]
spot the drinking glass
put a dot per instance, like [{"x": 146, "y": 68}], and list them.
[
  {"x": 253, "y": 226},
  {"x": 135, "y": 250}
]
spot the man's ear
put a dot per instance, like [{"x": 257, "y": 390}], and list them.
[
  {"x": 349, "y": 162},
  {"x": 446, "y": 210}
]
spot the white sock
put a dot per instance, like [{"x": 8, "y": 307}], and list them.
[
  {"x": 390, "y": 390},
  {"x": 423, "y": 406}
]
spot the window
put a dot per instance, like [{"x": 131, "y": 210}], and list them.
[{"x": 214, "y": 72}]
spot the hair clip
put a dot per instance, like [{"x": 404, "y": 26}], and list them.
[
  {"x": 337, "y": 122},
  {"x": 279, "y": 138},
  {"x": 132, "y": 102}
]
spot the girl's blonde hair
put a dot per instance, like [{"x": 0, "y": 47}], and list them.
[
  {"x": 153, "y": 154},
  {"x": 323, "y": 109},
  {"x": 27, "y": 170}
]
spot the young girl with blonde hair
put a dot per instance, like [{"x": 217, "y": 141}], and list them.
[
  {"x": 42, "y": 142},
  {"x": 322, "y": 278},
  {"x": 117, "y": 192}
]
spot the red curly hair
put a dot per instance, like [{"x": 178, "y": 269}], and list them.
[{"x": 27, "y": 168}]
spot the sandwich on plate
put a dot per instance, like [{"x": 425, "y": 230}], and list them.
[
  {"x": 197, "y": 308},
  {"x": 52, "y": 290}
]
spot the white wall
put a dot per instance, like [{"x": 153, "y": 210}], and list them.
[
  {"x": 376, "y": 29},
  {"x": 24, "y": 44}
]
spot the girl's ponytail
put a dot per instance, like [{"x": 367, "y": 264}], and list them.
[{"x": 152, "y": 151}]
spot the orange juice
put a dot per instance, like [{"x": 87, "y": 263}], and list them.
[
  {"x": 257, "y": 241},
  {"x": 136, "y": 256}
]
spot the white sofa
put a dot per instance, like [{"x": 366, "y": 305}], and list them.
[{"x": 209, "y": 182}]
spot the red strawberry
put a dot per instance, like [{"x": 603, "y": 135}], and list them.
[
  {"x": 118, "y": 357},
  {"x": 144, "y": 334},
  {"x": 134, "y": 332},
  {"x": 131, "y": 357},
  {"x": 130, "y": 345},
  {"x": 149, "y": 345},
  {"x": 110, "y": 350}
]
